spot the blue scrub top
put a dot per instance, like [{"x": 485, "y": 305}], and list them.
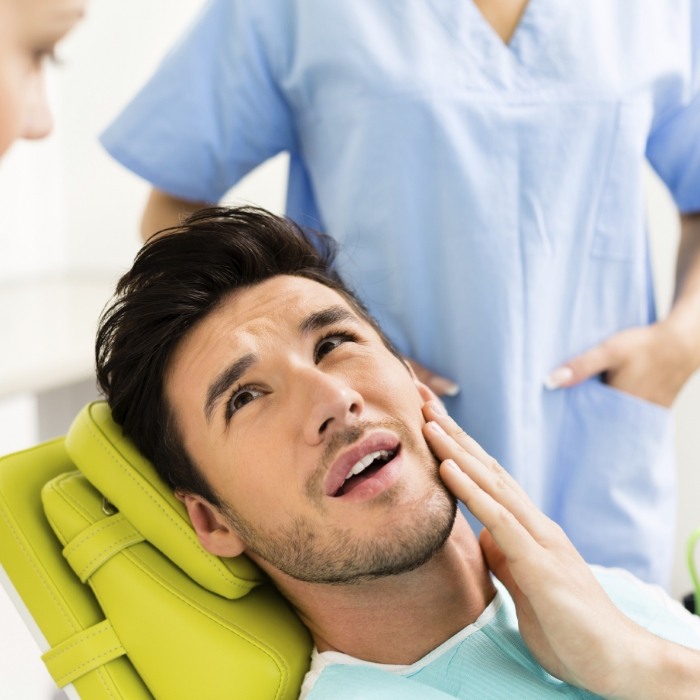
[{"x": 488, "y": 198}]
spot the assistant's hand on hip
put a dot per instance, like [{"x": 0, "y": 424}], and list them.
[{"x": 649, "y": 362}]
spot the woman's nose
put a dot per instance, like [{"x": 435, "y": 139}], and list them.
[
  {"x": 332, "y": 404},
  {"x": 38, "y": 121}
]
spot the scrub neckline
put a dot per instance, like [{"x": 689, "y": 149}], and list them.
[{"x": 503, "y": 62}]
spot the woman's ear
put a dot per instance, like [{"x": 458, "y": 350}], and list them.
[{"x": 213, "y": 529}]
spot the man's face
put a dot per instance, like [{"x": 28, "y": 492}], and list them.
[
  {"x": 29, "y": 32},
  {"x": 281, "y": 394}
]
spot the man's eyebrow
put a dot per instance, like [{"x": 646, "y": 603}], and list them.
[
  {"x": 315, "y": 321},
  {"x": 226, "y": 379},
  {"x": 325, "y": 317}
]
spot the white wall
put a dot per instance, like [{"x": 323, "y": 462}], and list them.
[
  {"x": 664, "y": 225},
  {"x": 110, "y": 57},
  {"x": 67, "y": 208}
]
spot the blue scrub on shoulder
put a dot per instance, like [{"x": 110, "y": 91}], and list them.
[{"x": 489, "y": 200}]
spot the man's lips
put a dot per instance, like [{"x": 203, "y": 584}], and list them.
[{"x": 380, "y": 441}]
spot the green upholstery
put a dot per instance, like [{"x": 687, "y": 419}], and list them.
[
  {"x": 694, "y": 565},
  {"x": 126, "y": 602}
]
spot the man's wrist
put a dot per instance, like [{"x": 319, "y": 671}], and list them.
[
  {"x": 638, "y": 672},
  {"x": 653, "y": 666}
]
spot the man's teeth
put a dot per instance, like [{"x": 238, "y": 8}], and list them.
[{"x": 363, "y": 463}]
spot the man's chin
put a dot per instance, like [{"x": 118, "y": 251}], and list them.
[
  {"x": 403, "y": 549},
  {"x": 412, "y": 534}
]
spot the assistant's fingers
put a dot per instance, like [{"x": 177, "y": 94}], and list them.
[
  {"x": 584, "y": 366},
  {"x": 441, "y": 386}
]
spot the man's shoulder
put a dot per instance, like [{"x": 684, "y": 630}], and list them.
[
  {"x": 337, "y": 675},
  {"x": 358, "y": 682}
]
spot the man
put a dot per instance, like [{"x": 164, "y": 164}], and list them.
[
  {"x": 496, "y": 150},
  {"x": 294, "y": 433}
]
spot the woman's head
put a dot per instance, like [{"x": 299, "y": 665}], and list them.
[{"x": 29, "y": 32}]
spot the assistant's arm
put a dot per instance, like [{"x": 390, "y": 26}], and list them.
[
  {"x": 164, "y": 210},
  {"x": 653, "y": 362},
  {"x": 565, "y": 616},
  {"x": 686, "y": 307}
]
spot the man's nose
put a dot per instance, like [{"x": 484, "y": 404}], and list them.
[
  {"x": 38, "y": 121},
  {"x": 332, "y": 404}
]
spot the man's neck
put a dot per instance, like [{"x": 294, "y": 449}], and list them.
[{"x": 398, "y": 619}]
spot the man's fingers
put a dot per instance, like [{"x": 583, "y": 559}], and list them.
[
  {"x": 435, "y": 412},
  {"x": 497, "y": 562},
  {"x": 495, "y": 558},
  {"x": 487, "y": 489},
  {"x": 510, "y": 525}
]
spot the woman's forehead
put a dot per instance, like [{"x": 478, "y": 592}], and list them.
[{"x": 51, "y": 17}]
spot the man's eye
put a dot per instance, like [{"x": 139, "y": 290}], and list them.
[
  {"x": 240, "y": 398},
  {"x": 331, "y": 342}
]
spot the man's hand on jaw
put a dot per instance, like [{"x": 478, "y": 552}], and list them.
[{"x": 565, "y": 617}]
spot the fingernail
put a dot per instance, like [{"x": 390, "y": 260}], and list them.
[
  {"x": 437, "y": 408},
  {"x": 451, "y": 464},
  {"x": 444, "y": 387},
  {"x": 560, "y": 376},
  {"x": 436, "y": 428}
]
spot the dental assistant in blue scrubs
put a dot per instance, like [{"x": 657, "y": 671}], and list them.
[{"x": 481, "y": 163}]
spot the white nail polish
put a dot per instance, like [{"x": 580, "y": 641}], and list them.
[{"x": 558, "y": 377}]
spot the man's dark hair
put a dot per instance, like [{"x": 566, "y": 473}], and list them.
[{"x": 179, "y": 276}]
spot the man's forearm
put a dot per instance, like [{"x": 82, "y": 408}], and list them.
[
  {"x": 664, "y": 670},
  {"x": 163, "y": 210}
]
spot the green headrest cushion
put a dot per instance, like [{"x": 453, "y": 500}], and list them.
[{"x": 128, "y": 480}]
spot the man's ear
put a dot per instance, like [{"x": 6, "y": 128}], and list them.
[{"x": 213, "y": 529}]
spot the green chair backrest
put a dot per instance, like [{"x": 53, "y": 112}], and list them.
[{"x": 125, "y": 601}]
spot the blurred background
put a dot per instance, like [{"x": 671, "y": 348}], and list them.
[{"x": 69, "y": 221}]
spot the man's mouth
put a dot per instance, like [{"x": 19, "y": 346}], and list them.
[{"x": 365, "y": 468}]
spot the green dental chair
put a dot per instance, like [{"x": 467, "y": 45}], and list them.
[
  {"x": 124, "y": 602},
  {"x": 692, "y": 600}
]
